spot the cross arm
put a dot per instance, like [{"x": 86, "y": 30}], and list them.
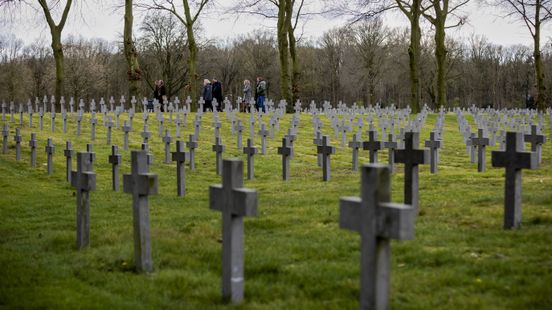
[
  {"x": 142, "y": 184},
  {"x": 396, "y": 221},
  {"x": 86, "y": 181},
  {"x": 349, "y": 213},
  {"x": 216, "y": 197},
  {"x": 244, "y": 201}
]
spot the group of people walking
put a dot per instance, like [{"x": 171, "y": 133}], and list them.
[{"x": 213, "y": 91}]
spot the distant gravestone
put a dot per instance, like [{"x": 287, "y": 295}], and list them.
[
  {"x": 126, "y": 130},
  {"x": 84, "y": 181},
  {"x": 140, "y": 183},
  {"x": 218, "y": 148},
  {"x": 285, "y": 150},
  {"x": 250, "y": 150},
  {"x": 90, "y": 150},
  {"x": 411, "y": 157},
  {"x": 326, "y": 150},
  {"x": 372, "y": 145},
  {"x": 50, "y": 148},
  {"x": 93, "y": 123},
  {"x": 115, "y": 159},
  {"x": 109, "y": 125},
  {"x": 167, "y": 141},
  {"x": 234, "y": 202},
  {"x": 192, "y": 145},
  {"x": 239, "y": 128},
  {"x": 480, "y": 142},
  {"x": 536, "y": 141},
  {"x": 434, "y": 145},
  {"x": 180, "y": 158},
  {"x": 355, "y": 145},
  {"x": 145, "y": 134},
  {"x": 33, "y": 145},
  {"x": 263, "y": 133},
  {"x": 317, "y": 141},
  {"x": 5, "y": 135},
  {"x": 378, "y": 221},
  {"x": 53, "y": 121},
  {"x": 514, "y": 160},
  {"x": 17, "y": 138},
  {"x": 68, "y": 153},
  {"x": 391, "y": 146}
]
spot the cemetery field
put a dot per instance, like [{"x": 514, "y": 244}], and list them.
[{"x": 296, "y": 256}]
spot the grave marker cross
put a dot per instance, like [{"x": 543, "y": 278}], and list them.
[
  {"x": 250, "y": 150},
  {"x": 84, "y": 181},
  {"x": 433, "y": 144},
  {"x": 50, "y": 152},
  {"x": 536, "y": 141},
  {"x": 377, "y": 221},
  {"x": 115, "y": 159},
  {"x": 234, "y": 202},
  {"x": 33, "y": 144},
  {"x": 141, "y": 184},
  {"x": 480, "y": 142},
  {"x": 285, "y": 150},
  {"x": 326, "y": 150},
  {"x": 372, "y": 145},
  {"x": 513, "y": 159},
  {"x": 180, "y": 157},
  {"x": 411, "y": 157},
  {"x": 218, "y": 148}
]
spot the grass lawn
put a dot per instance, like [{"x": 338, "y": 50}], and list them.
[{"x": 296, "y": 256}]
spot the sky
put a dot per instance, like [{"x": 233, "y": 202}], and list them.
[{"x": 105, "y": 23}]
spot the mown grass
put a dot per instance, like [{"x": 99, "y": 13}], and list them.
[{"x": 296, "y": 255}]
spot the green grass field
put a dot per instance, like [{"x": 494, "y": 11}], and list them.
[{"x": 297, "y": 257}]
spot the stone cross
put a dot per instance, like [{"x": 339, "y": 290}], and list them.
[
  {"x": 372, "y": 145},
  {"x": 197, "y": 126},
  {"x": 90, "y": 150},
  {"x": 513, "y": 159},
  {"x": 115, "y": 159},
  {"x": 285, "y": 150},
  {"x": 411, "y": 157},
  {"x": 326, "y": 150},
  {"x": 68, "y": 153},
  {"x": 391, "y": 146},
  {"x": 234, "y": 202},
  {"x": 433, "y": 144},
  {"x": 536, "y": 141},
  {"x": 218, "y": 148},
  {"x": 79, "y": 120},
  {"x": 180, "y": 157},
  {"x": 145, "y": 147},
  {"x": 167, "y": 141},
  {"x": 239, "y": 127},
  {"x": 145, "y": 134},
  {"x": 291, "y": 136},
  {"x": 93, "y": 122},
  {"x": 109, "y": 125},
  {"x": 471, "y": 147},
  {"x": 318, "y": 141},
  {"x": 263, "y": 133},
  {"x": 5, "y": 135},
  {"x": 53, "y": 121},
  {"x": 355, "y": 145},
  {"x": 378, "y": 221},
  {"x": 64, "y": 122},
  {"x": 250, "y": 150},
  {"x": 217, "y": 124},
  {"x": 33, "y": 144},
  {"x": 192, "y": 145},
  {"x": 17, "y": 138},
  {"x": 140, "y": 183},
  {"x": 126, "y": 130},
  {"x": 84, "y": 181},
  {"x": 480, "y": 142},
  {"x": 50, "y": 149}
]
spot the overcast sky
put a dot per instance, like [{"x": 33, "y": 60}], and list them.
[{"x": 103, "y": 23}]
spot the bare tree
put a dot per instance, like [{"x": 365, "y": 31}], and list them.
[
  {"x": 188, "y": 16},
  {"x": 134, "y": 74},
  {"x": 437, "y": 12},
  {"x": 533, "y": 13}
]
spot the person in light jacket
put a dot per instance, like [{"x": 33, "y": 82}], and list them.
[{"x": 207, "y": 95}]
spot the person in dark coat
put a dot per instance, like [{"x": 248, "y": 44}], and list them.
[
  {"x": 217, "y": 93},
  {"x": 160, "y": 93},
  {"x": 207, "y": 95}
]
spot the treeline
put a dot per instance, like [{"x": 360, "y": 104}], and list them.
[{"x": 366, "y": 63}]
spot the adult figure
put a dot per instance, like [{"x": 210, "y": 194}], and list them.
[
  {"x": 246, "y": 95},
  {"x": 207, "y": 95},
  {"x": 160, "y": 93},
  {"x": 217, "y": 93},
  {"x": 260, "y": 94}
]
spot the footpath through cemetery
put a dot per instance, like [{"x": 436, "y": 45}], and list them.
[{"x": 327, "y": 207}]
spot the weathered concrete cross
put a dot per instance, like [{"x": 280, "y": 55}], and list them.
[
  {"x": 68, "y": 153},
  {"x": 180, "y": 157},
  {"x": 167, "y": 141},
  {"x": 84, "y": 181},
  {"x": 250, "y": 150},
  {"x": 263, "y": 133},
  {"x": 378, "y": 221},
  {"x": 480, "y": 142},
  {"x": 411, "y": 157},
  {"x": 513, "y": 159},
  {"x": 391, "y": 146},
  {"x": 234, "y": 202},
  {"x": 326, "y": 150},
  {"x": 536, "y": 141},
  {"x": 33, "y": 144},
  {"x": 50, "y": 149},
  {"x": 5, "y": 135},
  {"x": 372, "y": 145},
  {"x": 218, "y": 148},
  {"x": 433, "y": 144},
  {"x": 355, "y": 145},
  {"x": 285, "y": 150},
  {"x": 192, "y": 145},
  {"x": 115, "y": 159},
  {"x": 17, "y": 138},
  {"x": 141, "y": 184}
]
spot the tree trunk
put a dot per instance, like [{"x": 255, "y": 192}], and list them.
[
  {"x": 134, "y": 73},
  {"x": 441, "y": 58},
  {"x": 414, "y": 55},
  {"x": 539, "y": 72},
  {"x": 58, "y": 57},
  {"x": 192, "y": 58},
  {"x": 283, "y": 49},
  {"x": 295, "y": 68}
]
